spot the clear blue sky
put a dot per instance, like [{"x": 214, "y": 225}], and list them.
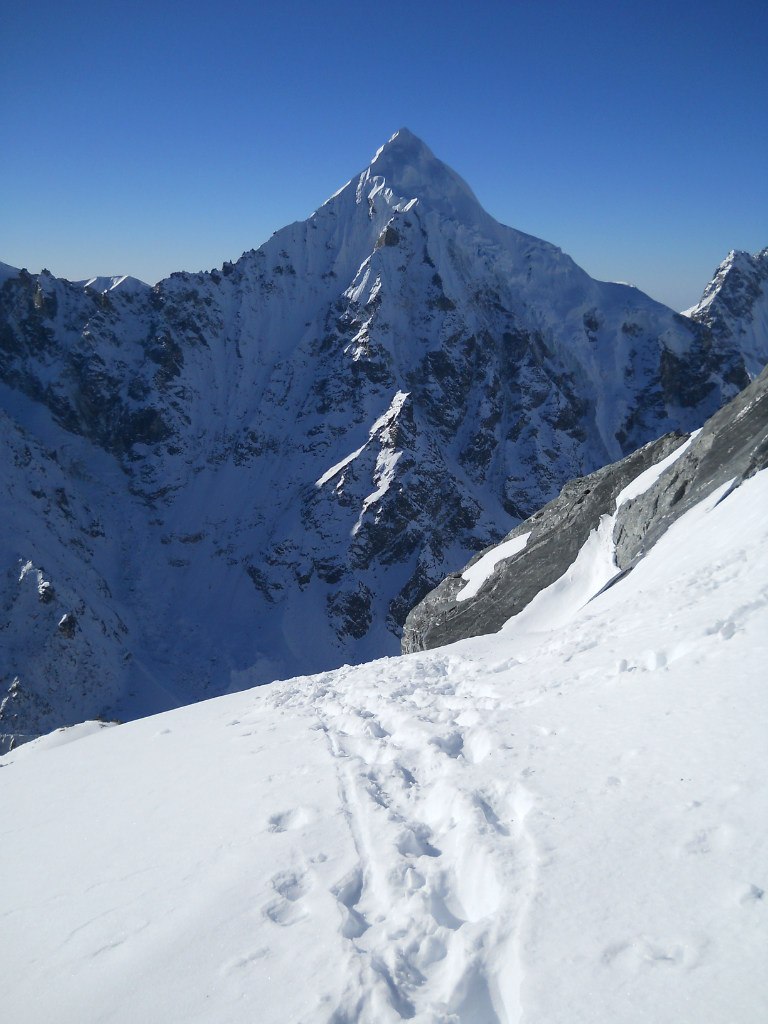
[{"x": 149, "y": 137}]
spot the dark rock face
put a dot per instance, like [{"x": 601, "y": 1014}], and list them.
[
  {"x": 67, "y": 625},
  {"x": 731, "y": 446},
  {"x": 557, "y": 533},
  {"x": 16, "y": 709}
]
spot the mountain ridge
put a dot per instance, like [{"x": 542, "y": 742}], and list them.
[
  {"x": 257, "y": 471},
  {"x": 734, "y": 304}
]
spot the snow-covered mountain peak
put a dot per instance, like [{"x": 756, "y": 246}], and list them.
[
  {"x": 404, "y": 150},
  {"x": 291, "y": 451},
  {"x": 735, "y": 304},
  {"x": 124, "y": 282},
  {"x": 405, "y": 168},
  {"x": 735, "y": 268},
  {"x": 402, "y": 140}
]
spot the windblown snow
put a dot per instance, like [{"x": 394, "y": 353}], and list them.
[{"x": 564, "y": 826}]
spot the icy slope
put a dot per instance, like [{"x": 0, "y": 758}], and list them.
[
  {"x": 565, "y": 826},
  {"x": 257, "y": 472}
]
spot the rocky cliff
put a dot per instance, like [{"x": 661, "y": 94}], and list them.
[{"x": 623, "y": 508}]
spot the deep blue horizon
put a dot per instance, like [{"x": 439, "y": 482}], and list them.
[{"x": 150, "y": 139}]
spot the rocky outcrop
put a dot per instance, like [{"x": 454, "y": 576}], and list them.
[
  {"x": 731, "y": 446},
  {"x": 556, "y": 534}
]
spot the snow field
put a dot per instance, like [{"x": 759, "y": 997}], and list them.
[{"x": 562, "y": 825}]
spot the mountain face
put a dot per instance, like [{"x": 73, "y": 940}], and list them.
[
  {"x": 256, "y": 472},
  {"x": 596, "y": 530},
  {"x": 734, "y": 305}
]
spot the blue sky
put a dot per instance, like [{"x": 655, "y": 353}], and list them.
[{"x": 149, "y": 137}]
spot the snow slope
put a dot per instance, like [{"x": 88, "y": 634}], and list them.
[{"x": 564, "y": 826}]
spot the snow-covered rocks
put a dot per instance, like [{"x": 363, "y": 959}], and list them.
[
  {"x": 735, "y": 305},
  {"x": 254, "y": 472},
  {"x": 598, "y": 528}
]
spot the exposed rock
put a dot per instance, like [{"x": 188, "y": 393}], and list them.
[
  {"x": 556, "y": 534},
  {"x": 17, "y": 708},
  {"x": 731, "y": 446},
  {"x": 67, "y": 625}
]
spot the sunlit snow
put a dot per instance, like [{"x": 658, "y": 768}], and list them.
[
  {"x": 476, "y": 575},
  {"x": 564, "y": 826},
  {"x": 386, "y": 459},
  {"x": 645, "y": 480}
]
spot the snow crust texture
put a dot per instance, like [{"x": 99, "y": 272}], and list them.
[
  {"x": 564, "y": 825},
  {"x": 245, "y": 474}
]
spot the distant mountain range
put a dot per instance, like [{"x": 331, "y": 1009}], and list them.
[{"x": 258, "y": 471}]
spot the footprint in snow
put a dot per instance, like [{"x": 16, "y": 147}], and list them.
[
  {"x": 287, "y": 908},
  {"x": 726, "y": 629},
  {"x": 440, "y": 912},
  {"x": 653, "y": 660},
  {"x": 414, "y": 841},
  {"x": 372, "y": 727},
  {"x": 245, "y": 961},
  {"x": 452, "y": 745},
  {"x": 490, "y": 815},
  {"x": 375, "y": 790},
  {"x": 284, "y": 913},
  {"x": 292, "y": 885},
  {"x": 642, "y": 954},
  {"x": 348, "y": 892},
  {"x": 284, "y": 821}
]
